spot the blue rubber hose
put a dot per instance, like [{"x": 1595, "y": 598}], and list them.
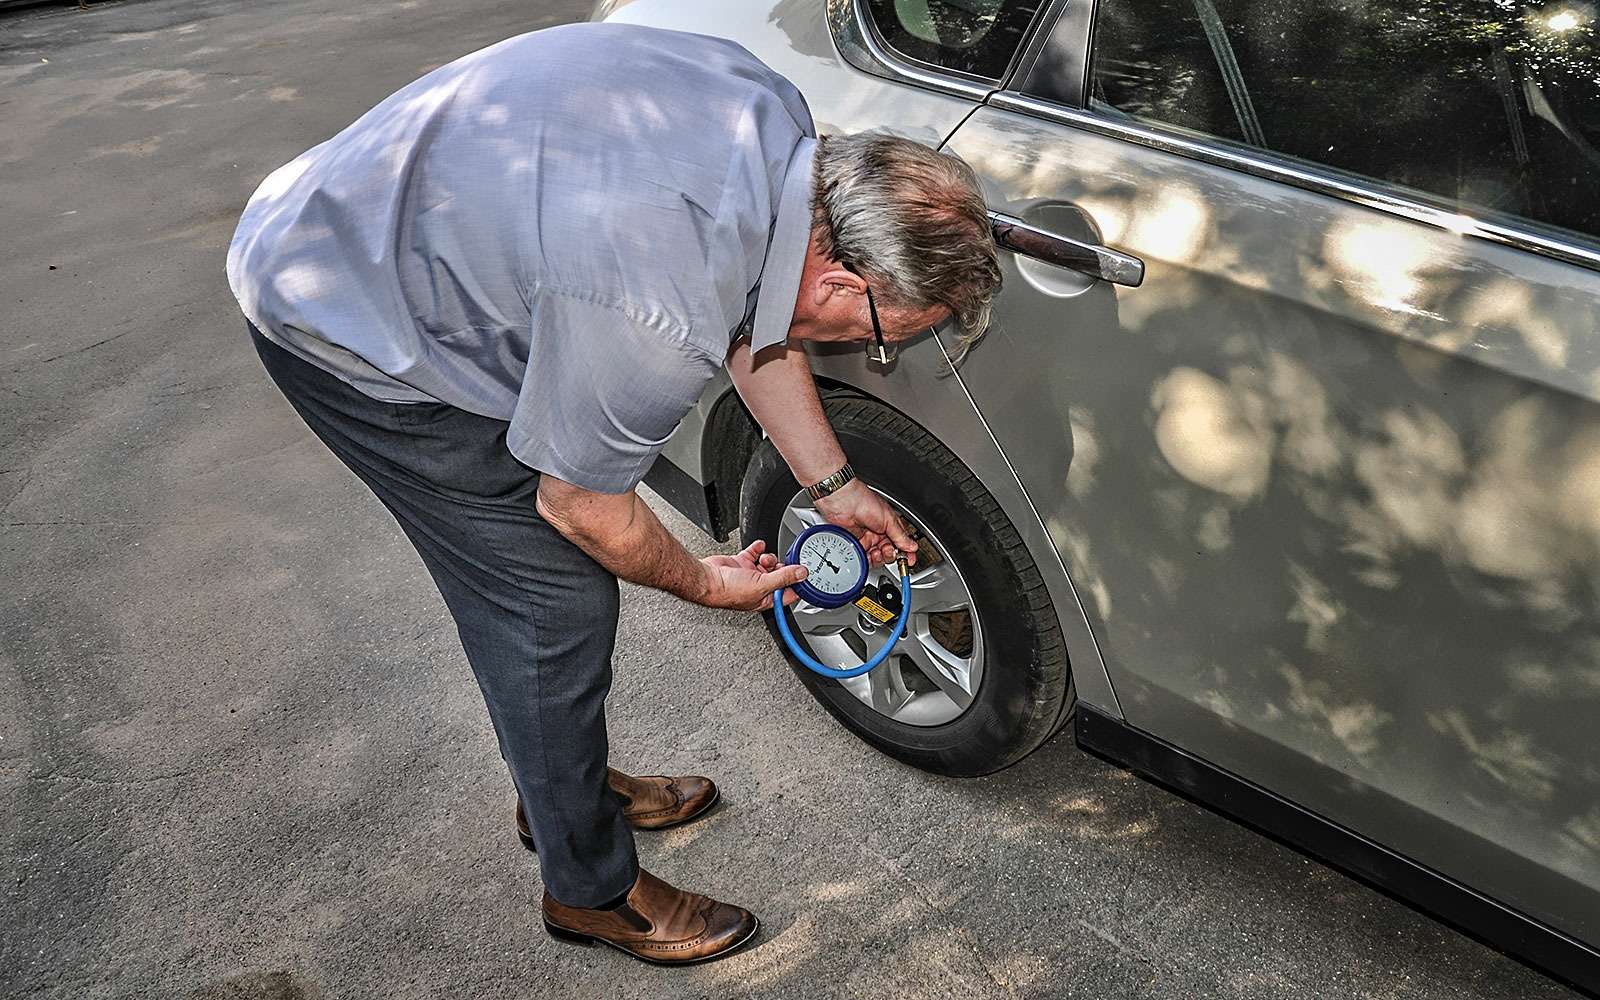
[{"x": 811, "y": 662}]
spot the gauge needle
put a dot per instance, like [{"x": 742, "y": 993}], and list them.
[{"x": 828, "y": 564}]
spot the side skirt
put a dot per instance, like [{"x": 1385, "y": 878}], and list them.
[{"x": 1545, "y": 948}]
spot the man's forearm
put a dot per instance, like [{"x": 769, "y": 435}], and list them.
[
  {"x": 781, "y": 394},
  {"x": 622, "y": 533}
]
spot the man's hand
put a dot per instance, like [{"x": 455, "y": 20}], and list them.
[
  {"x": 745, "y": 582},
  {"x": 869, "y": 517}
]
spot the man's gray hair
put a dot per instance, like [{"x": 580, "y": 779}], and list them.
[{"x": 911, "y": 221}]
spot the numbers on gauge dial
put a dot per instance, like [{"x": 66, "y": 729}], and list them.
[{"x": 832, "y": 564}]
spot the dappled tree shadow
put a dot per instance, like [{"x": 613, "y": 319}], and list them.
[{"x": 1329, "y": 479}]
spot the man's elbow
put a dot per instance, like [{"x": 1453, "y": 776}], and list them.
[
  {"x": 561, "y": 509},
  {"x": 587, "y": 519}
]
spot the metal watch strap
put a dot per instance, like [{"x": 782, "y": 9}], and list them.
[{"x": 832, "y": 484}]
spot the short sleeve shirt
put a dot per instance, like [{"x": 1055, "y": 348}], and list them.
[{"x": 563, "y": 231}]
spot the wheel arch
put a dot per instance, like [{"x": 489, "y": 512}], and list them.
[{"x": 728, "y": 439}]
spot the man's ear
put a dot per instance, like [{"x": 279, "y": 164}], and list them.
[{"x": 836, "y": 280}]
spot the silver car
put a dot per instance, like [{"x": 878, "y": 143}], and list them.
[{"x": 1279, "y": 475}]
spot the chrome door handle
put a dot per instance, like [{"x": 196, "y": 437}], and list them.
[{"x": 1011, "y": 233}]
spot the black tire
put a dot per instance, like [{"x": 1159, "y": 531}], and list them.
[{"x": 1026, "y": 691}]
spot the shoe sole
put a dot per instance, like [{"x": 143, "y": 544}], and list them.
[
  {"x": 527, "y": 840},
  {"x": 574, "y": 937}
]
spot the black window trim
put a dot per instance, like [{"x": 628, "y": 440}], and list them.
[
  {"x": 1070, "y": 43},
  {"x": 906, "y": 69},
  {"x": 1060, "y": 55}
]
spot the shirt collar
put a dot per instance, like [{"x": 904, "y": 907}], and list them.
[{"x": 786, "y": 256}]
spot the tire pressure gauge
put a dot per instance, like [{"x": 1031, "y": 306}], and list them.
[
  {"x": 836, "y": 574},
  {"x": 836, "y": 566}
]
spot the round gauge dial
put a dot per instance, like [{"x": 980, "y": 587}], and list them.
[{"x": 836, "y": 565}]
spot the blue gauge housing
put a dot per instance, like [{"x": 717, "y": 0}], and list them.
[{"x": 812, "y": 595}]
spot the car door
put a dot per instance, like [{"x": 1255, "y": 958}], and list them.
[{"x": 1328, "y": 477}]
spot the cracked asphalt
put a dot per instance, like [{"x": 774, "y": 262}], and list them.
[{"x": 241, "y": 754}]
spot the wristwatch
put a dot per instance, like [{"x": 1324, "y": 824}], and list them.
[{"x": 832, "y": 484}]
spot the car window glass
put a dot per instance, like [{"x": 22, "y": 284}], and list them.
[
  {"x": 977, "y": 37},
  {"x": 1488, "y": 104}
]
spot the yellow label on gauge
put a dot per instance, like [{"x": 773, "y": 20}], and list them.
[{"x": 878, "y": 612}]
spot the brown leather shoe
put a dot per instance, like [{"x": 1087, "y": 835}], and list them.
[
  {"x": 658, "y": 924},
  {"x": 649, "y": 803}
]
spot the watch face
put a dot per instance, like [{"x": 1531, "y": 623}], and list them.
[{"x": 833, "y": 562}]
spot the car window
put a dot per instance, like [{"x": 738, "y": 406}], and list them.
[
  {"x": 977, "y": 37},
  {"x": 1488, "y": 104}
]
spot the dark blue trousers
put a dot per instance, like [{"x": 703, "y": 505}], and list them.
[{"x": 537, "y": 617}]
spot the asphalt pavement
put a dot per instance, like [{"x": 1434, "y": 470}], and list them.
[{"x": 241, "y": 754}]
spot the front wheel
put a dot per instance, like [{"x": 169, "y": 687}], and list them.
[{"x": 981, "y": 676}]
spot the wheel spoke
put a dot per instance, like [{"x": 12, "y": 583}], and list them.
[
  {"x": 938, "y": 589},
  {"x": 950, "y": 672},
  {"x": 887, "y": 688},
  {"x": 798, "y": 519},
  {"x": 813, "y": 620}
]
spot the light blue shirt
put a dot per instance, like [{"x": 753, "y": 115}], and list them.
[{"x": 564, "y": 231}]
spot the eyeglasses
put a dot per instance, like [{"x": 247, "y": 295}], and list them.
[{"x": 879, "y": 351}]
